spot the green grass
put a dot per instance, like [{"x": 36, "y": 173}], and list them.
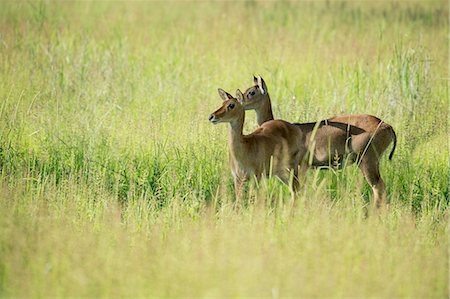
[{"x": 114, "y": 184}]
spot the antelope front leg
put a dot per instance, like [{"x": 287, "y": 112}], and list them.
[
  {"x": 301, "y": 177},
  {"x": 239, "y": 188},
  {"x": 295, "y": 183},
  {"x": 290, "y": 178}
]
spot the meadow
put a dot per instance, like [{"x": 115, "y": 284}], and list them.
[{"x": 114, "y": 184}]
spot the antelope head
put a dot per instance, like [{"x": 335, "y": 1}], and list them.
[
  {"x": 256, "y": 95},
  {"x": 231, "y": 109}
]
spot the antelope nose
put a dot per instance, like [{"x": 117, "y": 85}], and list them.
[{"x": 210, "y": 118}]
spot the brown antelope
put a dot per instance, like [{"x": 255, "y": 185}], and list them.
[
  {"x": 361, "y": 138},
  {"x": 276, "y": 146}
]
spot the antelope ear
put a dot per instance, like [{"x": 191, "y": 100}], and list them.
[
  {"x": 255, "y": 80},
  {"x": 262, "y": 85},
  {"x": 224, "y": 95},
  {"x": 240, "y": 96}
]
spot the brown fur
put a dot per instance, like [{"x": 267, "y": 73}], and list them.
[
  {"x": 335, "y": 141},
  {"x": 276, "y": 145}
]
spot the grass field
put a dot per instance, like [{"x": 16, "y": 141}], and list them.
[{"x": 114, "y": 184}]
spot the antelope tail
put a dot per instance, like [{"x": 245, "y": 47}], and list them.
[{"x": 394, "y": 137}]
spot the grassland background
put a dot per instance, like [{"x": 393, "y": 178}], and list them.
[{"x": 114, "y": 184}]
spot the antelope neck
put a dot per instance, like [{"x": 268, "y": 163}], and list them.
[
  {"x": 236, "y": 128},
  {"x": 264, "y": 112}
]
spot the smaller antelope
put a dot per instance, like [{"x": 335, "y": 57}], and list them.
[
  {"x": 354, "y": 138},
  {"x": 276, "y": 145}
]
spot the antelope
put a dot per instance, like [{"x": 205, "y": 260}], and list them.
[
  {"x": 276, "y": 147},
  {"x": 350, "y": 138}
]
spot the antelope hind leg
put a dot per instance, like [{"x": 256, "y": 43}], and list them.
[{"x": 369, "y": 166}]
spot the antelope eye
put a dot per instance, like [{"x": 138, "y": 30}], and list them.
[
  {"x": 231, "y": 106},
  {"x": 252, "y": 93}
]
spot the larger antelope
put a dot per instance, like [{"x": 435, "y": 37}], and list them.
[
  {"x": 353, "y": 138},
  {"x": 276, "y": 146}
]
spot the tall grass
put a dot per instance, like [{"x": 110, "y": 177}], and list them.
[{"x": 113, "y": 183}]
